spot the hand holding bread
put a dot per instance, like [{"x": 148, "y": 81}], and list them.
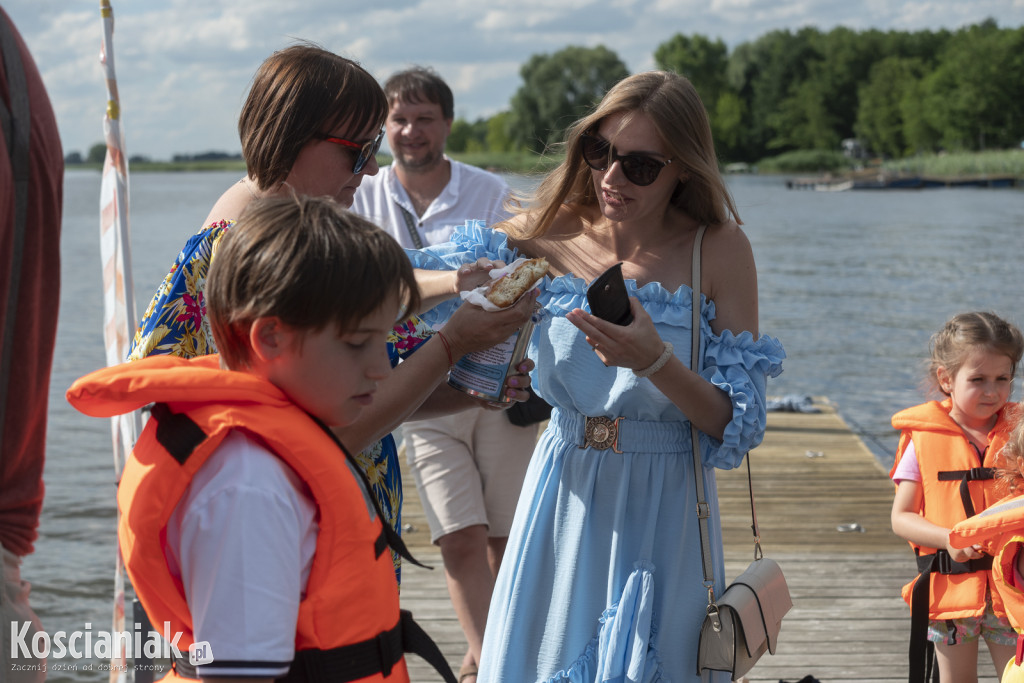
[{"x": 506, "y": 290}]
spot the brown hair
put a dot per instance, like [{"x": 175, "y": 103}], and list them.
[
  {"x": 677, "y": 113},
  {"x": 421, "y": 84},
  {"x": 966, "y": 332},
  {"x": 308, "y": 262},
  {"x": 298, "y": 93}
]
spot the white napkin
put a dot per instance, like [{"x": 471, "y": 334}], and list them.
[{"x": 478, "y": 296}]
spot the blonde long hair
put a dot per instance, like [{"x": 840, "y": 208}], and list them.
[
  {"x": 673, "y": 106},
  {"x": 1007, "y": 470}
]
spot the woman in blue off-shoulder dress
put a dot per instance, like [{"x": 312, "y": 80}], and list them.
[{"x": 602, "y": 577}]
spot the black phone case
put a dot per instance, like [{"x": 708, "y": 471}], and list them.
[{"x": 607, "y": 297}]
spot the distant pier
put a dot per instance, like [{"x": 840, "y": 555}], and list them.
[{"x": 828, "y": 183}]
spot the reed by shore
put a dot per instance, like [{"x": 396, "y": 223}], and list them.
[{"x": 948, "y": 165}]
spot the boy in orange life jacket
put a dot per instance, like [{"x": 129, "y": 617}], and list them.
[
  {"x": 245, "y": 524},
  {"x": 944, "y": 474},
  {"x": 999, "y": 530}
]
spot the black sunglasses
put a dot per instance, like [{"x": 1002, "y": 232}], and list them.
[
  {"x": 366, "y": 149},
  {"x": 639, "y": 169}
]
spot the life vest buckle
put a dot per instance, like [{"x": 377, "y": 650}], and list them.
[
  {"x": 944, "y": 563},
  {"x": 980, "y": 473}
]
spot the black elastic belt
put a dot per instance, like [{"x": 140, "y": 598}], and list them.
[{"x": 351, "y": 662}]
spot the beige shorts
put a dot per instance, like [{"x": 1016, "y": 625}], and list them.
[
  {"x": 469, "y": 469},
  {"x": 14, "y": 612}
]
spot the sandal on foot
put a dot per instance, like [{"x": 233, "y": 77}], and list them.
[{"x": 467, "y": 671}]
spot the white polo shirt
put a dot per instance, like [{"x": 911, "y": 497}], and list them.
[{"x": 472, "y": 193}]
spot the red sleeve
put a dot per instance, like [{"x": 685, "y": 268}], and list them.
[{"x": 28, "y": 310}]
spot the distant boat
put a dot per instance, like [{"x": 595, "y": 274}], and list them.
[
  {"x": 823, "y": 184},
  {"x": 840, "y": 186}
]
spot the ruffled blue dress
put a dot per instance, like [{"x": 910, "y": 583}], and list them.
[{"x": 602, "y": 579}]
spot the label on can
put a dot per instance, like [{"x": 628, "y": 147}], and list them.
[{"x": 483, "y": 373}]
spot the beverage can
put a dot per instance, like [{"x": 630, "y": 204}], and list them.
[{"x": 483, "y": 373}]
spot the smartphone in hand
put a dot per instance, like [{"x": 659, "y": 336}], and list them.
[{"x": 607, "y": 297}]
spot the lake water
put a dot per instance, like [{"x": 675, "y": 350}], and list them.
[{"x": 852, "y": 283}]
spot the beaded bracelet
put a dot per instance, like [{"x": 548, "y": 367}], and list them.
[
  {"x": 658, "y": 364},
  {"x": 447, "y": 349}
]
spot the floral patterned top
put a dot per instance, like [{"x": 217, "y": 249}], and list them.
[{"x": 176, "y": 323}]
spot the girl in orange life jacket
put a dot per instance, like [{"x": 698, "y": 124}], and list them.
[
  {"x": 244, "y": 524},
  {"x": 1000, "y": 532},
  {"x": 944, "y": 474}
]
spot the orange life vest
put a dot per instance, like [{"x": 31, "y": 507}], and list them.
[
  {"x": 351, "y": 596},
  {"x": 956, "y": 483},
  {"x": 1000, "y": 530}
]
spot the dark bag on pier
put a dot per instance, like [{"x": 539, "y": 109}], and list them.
[{"x": 528, "y": 412}]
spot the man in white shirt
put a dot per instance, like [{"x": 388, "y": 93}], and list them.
[
  {"x": 423, "y": 196},
  {"x": 468, "y": 468}
]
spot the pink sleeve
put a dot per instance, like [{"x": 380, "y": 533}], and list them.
[{"x": 908, "y": 469}]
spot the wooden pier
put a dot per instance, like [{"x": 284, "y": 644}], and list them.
[{"x": 812, "y": 477}]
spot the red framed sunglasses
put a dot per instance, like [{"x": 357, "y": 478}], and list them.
[{"x": 366, "y": 149}]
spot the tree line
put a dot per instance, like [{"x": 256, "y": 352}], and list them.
[{"x": 898, "y": 93}]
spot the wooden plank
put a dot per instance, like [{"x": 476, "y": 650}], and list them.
[{"x": 848, "y": 623}]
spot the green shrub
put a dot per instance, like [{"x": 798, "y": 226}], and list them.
[{"x": 805, "y": 161}]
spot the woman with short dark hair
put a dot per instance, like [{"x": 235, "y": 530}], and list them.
[{"x": 311, "y": 125}]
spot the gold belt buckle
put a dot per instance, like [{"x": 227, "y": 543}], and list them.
[{"x": 601, "y": 433}]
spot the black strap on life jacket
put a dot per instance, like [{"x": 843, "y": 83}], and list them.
[
  {"x": 352, "y": 662},
  {"x": 394, "y": 540},
  {"x": 180, "y": 435},
  {"x": 965, "y": 477},
  {"x": 176, "y": 432}
]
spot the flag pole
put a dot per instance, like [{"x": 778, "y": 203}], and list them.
[{"x": 119, "y": 320}]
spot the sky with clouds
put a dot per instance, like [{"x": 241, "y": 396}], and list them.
[{"x": 183, "y": 66}]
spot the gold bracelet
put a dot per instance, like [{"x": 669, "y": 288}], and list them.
[{"x": 658, "y": 364}]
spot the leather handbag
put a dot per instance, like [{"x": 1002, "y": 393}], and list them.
[{"x": 744, "y": 622}]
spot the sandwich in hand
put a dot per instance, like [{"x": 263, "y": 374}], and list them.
[{"x": 507, "y": 289}]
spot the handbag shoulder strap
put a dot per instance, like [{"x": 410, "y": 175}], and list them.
[
  {"x": 696, "y": 364},
  {"x": 703, "y": 509}
]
